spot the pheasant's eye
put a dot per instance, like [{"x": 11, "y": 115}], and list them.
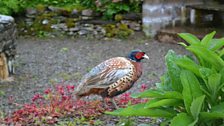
[{"x": 139, "y": 55}]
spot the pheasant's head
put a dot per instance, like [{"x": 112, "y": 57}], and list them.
[{"x": 137, "y": 55}]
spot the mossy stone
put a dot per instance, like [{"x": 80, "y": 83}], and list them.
[
  {"x": 123, "y": 26},
  {"x": 40, "y": 8},
  {"x": 110, "y": 30},
  {"x": 120, "y": 31},
  {"x": 118, "y": 17},
  {"x": 70, "y": 22}
]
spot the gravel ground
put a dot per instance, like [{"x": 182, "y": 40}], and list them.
[{"x": 43, "y": 61}]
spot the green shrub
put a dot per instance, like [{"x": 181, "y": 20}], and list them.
[
  {"x": 191, "y": 92},
  {"x": 110, "y": 8},
  {"x": 8, "y": 7},
  {"x": 59, "y": 3}
]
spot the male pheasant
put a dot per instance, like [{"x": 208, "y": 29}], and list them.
[{"x": 112, "y": 77}]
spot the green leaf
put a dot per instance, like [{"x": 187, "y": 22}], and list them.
[
  {"x": 183, "y": 44},
  {"x": 188, "y": 78},
  {"x": 148, "y": 93},
  {"x": 172, "y": 94},
  {"x": 191, "y": 88},
  {"x": 196, "y": 106},
  {"x": 217, "y": 112},
  {"x": 211, "y": 115},
  {"x": 205, "y": 73},
  {"x": 205, "y": 41},
  {"x": 125, "y": 7},
  {"x": 191, "y": 39},
  {"x": 163, "y": 103},
  {"x": 214, "y": 82},
  {"x": 2, "y": 93},
  {"x": 218, "y": 108},
  {"x": 188, "y": 98},
  {"x": 165, "y": 122},
  {"x": 188, "y": 64},
  {"x": 193, "y": 123},
  {"x": 173, "y": 70},
  {"x": 207, "y": 56},
  {"x": 110, "y": 12},
  {"x": 216, "y": 44},
  {"x": 139, "y": 110},
  {"x": 222, "y": 75},
  {"x": 182, "y": 119},
  {"x": 153, "y": 93},
  {"x": 221, "y": 53},
  {"x": 165, "y": 83}
]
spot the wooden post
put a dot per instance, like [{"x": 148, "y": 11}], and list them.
[{"x": 4, "y": 73}]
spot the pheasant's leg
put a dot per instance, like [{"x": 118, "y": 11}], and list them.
[
  {"x": 104, "y": 103},
  {"x": 114, "y": 103}
]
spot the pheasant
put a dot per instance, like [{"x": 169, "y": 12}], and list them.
[{"x": 112, "y": 77}]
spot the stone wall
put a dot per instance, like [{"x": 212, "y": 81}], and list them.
[
  {"x": 7, "y": 46},
  {"x": 160, "y": 13},
  {"x": 75, "y": 23}
]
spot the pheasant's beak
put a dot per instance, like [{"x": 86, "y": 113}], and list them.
[{"x": 145, "y": 56}]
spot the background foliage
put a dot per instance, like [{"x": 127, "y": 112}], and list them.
[
  {"x": 191, "y": 92},
  {"x": 107, "y": 7},
  {"x": 8, "y": 7}
]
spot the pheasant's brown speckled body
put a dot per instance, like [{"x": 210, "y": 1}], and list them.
[
  {"x": 126, "y": 82},
  {"x": 112, "y": 77}
]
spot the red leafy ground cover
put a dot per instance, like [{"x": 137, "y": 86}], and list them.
[{"x": 59, "y": 102}]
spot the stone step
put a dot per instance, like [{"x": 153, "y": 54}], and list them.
[{"x": 169, "y": 34}]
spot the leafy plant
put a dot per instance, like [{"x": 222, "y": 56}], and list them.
[
  {"x": 58, "y": 106},
  {"x": 2, "y": 93},
  {"x": 191, "y": 92},
  {"x": 8, "y": 7},
  {"x": 114, "y": 8},
  {"x": 87, "y": 3},
  {"x": 59, "y": 3},
  {"x": 110, "y": 8}
]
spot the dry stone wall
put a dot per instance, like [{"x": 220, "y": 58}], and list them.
[
  {"x": 75, "y": 23},
  {"x": 7, "y": 46}
]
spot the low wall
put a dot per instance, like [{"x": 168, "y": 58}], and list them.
[{"x": 56, "y": 21}]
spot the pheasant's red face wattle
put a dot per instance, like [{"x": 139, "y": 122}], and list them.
[{"x": 139, "y": 55}]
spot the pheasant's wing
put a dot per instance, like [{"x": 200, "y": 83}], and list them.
[
  {"x": 106, "y": 73},
  {"x": 107, "y": 77}
]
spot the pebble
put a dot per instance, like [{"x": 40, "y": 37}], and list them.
[
  {"x": 86, "y": 18},
  {"x": 87, "y": 12},
  {"x": 75, "y": 13},
  {"x": 6, "y": 19},
  {"x": 74, "y": 29},
  {"x": 45, "y": 21},
  {"x": 83, "y": 32}
]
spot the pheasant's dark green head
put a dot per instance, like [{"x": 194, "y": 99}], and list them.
[{"x": 137, "y": 55}]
